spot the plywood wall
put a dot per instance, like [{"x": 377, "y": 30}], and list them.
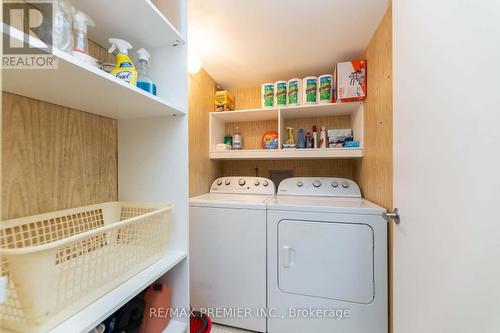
[
  {"x": 374, "y": 171},
  {"x": 54, "y": 158},
  {"x": 202, "y": 171}
]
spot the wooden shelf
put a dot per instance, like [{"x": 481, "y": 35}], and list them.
[
  {"x": 138, "y": 22},
  {"x": 280, "y": 154},
  {"x": 80, "y": 86},
  {"x": 95, "y": 313}
]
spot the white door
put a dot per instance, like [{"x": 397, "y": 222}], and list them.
[
  {"x": 447, "y": 166},
  {"x": 326, "y": 259}
]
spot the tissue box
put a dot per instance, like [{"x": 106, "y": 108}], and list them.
[
  {"x": 223, "y": 101},
  {"x": 337, "y": 137},
  {"x": 350, "y": 81}
]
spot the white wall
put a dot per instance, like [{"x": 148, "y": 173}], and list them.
[{"x": 447, "y": 166}]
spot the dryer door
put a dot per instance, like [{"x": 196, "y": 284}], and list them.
[{"x": 326, "y": 259}]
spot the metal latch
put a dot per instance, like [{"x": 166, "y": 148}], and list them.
[{"x": 392, "y": 216}]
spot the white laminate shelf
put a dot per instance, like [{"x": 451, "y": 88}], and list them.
[
  {"x": 290, "y": 154},
  {"x": 139, "y": 22},
  {"x": 95, "y": 313},
  {"x": 289, "y": 112},
  {"x": 80, "y": 86}
]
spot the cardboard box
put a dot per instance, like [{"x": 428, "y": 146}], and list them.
[
  {"x": 223, "y": 101},
  {"x": 350, "y": 81}
]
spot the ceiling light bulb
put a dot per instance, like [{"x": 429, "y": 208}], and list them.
[{"x": 194, "y": 63}]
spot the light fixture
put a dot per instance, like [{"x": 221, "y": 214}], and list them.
[{"x": 194, "y": 62}]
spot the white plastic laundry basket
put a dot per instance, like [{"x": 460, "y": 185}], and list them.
[{"x": 58, "y": 263}]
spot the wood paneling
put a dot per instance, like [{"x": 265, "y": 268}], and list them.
[
  {"x": 54, "y": 158},
  {"x": 252, "y": 131},
  {"x": 299, "y": 168},
  {"x": 202, "y": 171},
  {"x": 374, "y": 172},
  {"x": 246, "y": 98}
]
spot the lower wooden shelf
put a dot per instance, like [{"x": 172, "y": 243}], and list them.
[
  {"x": 92, "y": 315},
  {"x": 290, "y": 154}
]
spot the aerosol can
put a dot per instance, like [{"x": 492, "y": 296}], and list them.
[
  {"x": 124, "y": 69},
  {"x": 143, "y": 79}
]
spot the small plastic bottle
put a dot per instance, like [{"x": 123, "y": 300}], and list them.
[
  {"x": 237, "y": 140},
  {"x": 143, "y": 78}
]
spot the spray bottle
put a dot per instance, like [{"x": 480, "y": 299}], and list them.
[
  {"x": 124, "y": 69},
  {"x": 143, "y": 79},
  {"x": 81, "y": 50}
]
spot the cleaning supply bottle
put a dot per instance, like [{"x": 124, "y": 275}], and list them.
[
  {"x": 237, "y": 144},
  {"x": 61, "y": 29},
  {"x": 81, "y": 50},
  {"x": 124, "y": 69},
  {"x": 143, "y": 79}
]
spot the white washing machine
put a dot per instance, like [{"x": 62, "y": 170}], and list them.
[
  {"x": 228, "y": 250},
  {"x": 327, "y": 259}
]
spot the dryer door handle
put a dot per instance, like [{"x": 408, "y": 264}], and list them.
[{"x": 288, "y": 256}]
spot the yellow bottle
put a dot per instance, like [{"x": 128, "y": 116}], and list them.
[{"x": 124, "y": 69}]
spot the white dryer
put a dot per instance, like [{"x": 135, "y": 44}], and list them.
[
  {"x": 327, "y": 259},
  {"x": 228, "y": 250}
]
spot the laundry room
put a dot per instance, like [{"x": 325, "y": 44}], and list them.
[
  {"x": 243, "y": 133},
  {"x": 230, "y": 166}
]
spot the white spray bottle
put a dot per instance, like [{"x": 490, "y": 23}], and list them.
[
  {"x": 143, "y": 77},
  {"x": 81, "y": 50}
]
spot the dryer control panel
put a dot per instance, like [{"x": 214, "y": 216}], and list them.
[
  {"x": 243, "y": 185},
  {"x": 321, "y": 186}
]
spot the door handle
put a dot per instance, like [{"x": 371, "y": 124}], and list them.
[
  {"x": 392, "y": 216},
  {"x": 288, "y": 254}
]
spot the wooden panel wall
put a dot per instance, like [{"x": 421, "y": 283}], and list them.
[
  {"x": 54, "y": 158},
  {"x": 202, "y": 171},
  {"x": 374, "y": 171},
  {"x": 252, "y": 131}
]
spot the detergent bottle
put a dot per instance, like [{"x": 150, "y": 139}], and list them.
[
  {"x": 124, "y": 69},
  {"x": 143, "y": 79},
  {"x": 81, "y": 50}
]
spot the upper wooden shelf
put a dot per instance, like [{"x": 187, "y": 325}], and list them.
[
  {"x": 138, "y": 22},
  {"x": 80, "y": 86}
]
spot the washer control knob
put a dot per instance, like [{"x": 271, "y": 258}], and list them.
[
  {"x": 219, "y": 182},
  {"x": 345, "y": 184},
  {"x": 228, "y": 181},
  {"x": 300, "y": 183},
  {"x": 335, "y": 184},
  {"x": 316, "y": 183},
  {"x": 241, "y": 182},
  {"x": 256, "y": 182},
  {"x": 265, "y": 183}
]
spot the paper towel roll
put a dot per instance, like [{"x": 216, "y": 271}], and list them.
[
  {"x": 310, "y": 90},
  {"x": 325, "y": 88},
  {"x": 267, "y": 95},
  {"x": 294, "y": 92},
  {"x": 280, "y": 93}
]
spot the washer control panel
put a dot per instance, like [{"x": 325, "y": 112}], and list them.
[
  {"x": 321, "y": 186},
  {"x": 243, "y": 185}
]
